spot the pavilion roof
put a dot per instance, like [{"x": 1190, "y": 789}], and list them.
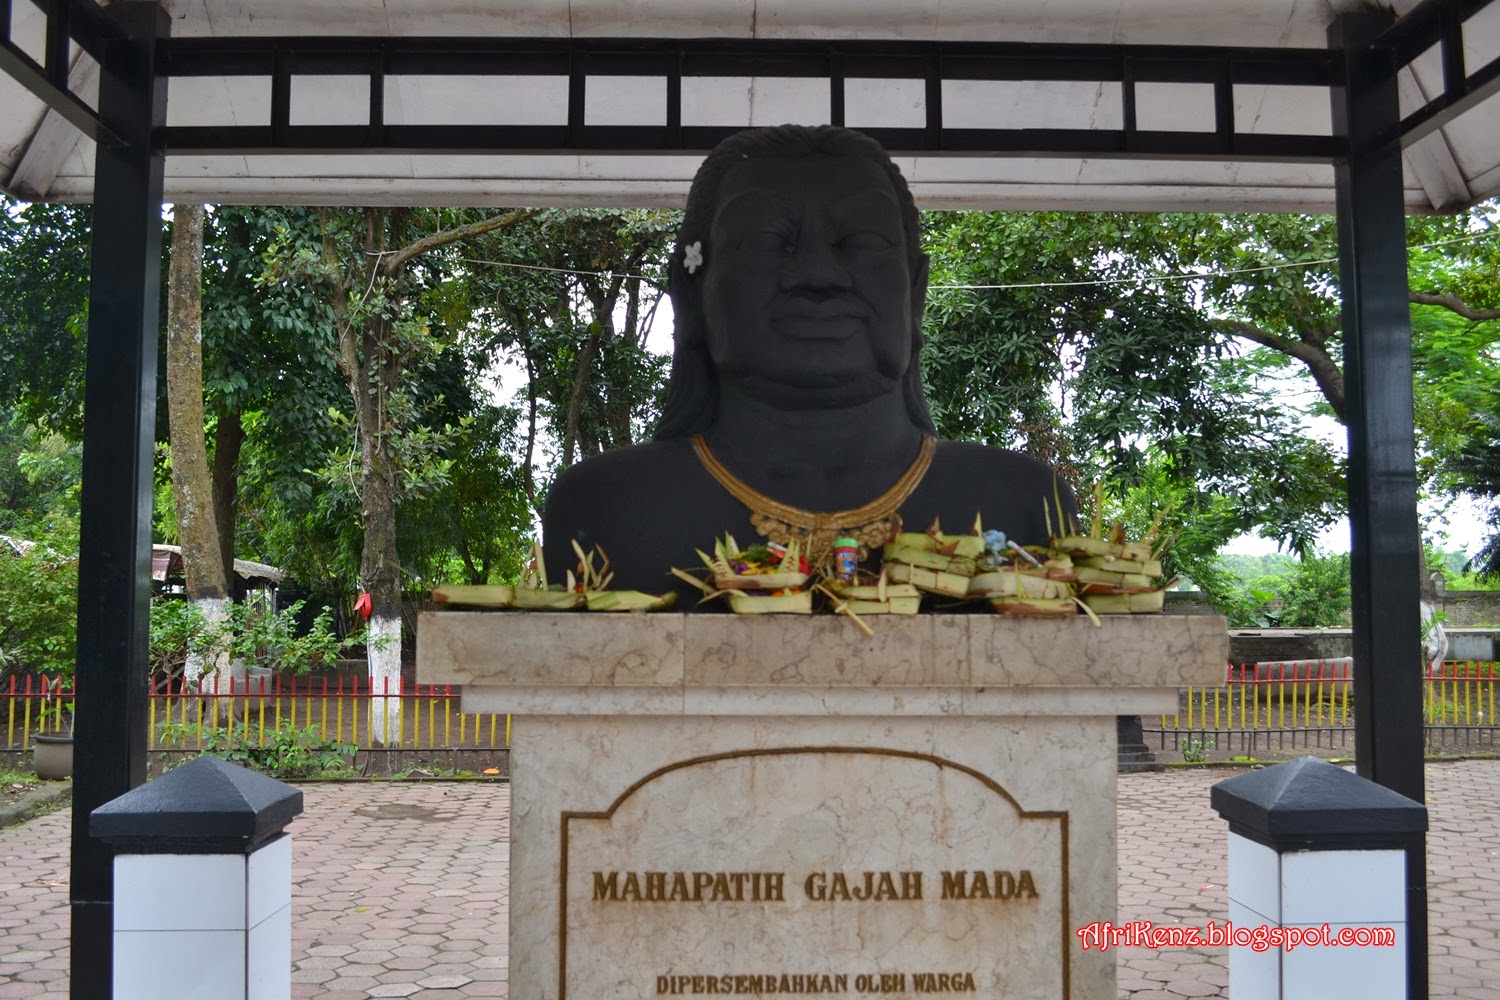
[{"x": 42, "y": 157}]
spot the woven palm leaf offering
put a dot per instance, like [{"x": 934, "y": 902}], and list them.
[
  {"x": 535, "y": 594},
  {"x": 872, "y": 594},
  {"x": 484, "y": 595},
  {"x": 934, "y": 562},
  {"x": 1114, "y": 575},
  {"x": 763, "y": 579},
  {"x": 593, "y": 583},
  {"x": 1017, "y": 580}
]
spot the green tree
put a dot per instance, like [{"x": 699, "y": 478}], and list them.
[
  {"x": 44, "y": 255},
  {"x": 40, "y": 472},
  {"x": 575, "y": 316},
  {"x": 39, "y": 601},
  {"x": 1065, "y": 335},
  {"x": 1120, "y": 346},
  {"x": 375, "y": 270}
]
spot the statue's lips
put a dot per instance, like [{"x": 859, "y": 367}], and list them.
[{"x": 819, "y": 322}]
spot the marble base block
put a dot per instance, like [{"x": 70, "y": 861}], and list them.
[
  {"x": 759, "y": 807},
  {"x": 978, "y": 846}
]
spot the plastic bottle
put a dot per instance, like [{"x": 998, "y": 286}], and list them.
[{"x": 846, "y": 559}]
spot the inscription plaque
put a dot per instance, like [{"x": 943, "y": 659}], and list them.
[{"x": 814, "y": 870}]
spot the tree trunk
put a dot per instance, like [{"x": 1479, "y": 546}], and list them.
[
  {"x": 380, "y": 573},
  {"x": 372, "y": 367},
  {"x": 192, "y": 486},
  {"x": 575, "y": 398},
  {"x": 229, "y": 435},
  {"x": 374, "y": 371}
]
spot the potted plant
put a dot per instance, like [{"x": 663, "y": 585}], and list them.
[{"x": 52, "y": 756}]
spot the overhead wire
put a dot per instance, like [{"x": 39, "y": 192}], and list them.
[{"x": 1134, "y": 279}]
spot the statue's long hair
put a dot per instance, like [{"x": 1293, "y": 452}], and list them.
[{"x": 693, "y": 389}]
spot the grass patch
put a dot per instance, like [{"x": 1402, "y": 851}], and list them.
[{"x": 11, "y": 777}]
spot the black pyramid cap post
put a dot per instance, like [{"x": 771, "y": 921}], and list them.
[
  {"x": 1310, "y": 804},
  {"x": 206, "y": 806}
]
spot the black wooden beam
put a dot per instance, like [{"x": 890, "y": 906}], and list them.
[
  {"x": 15, "y": 63},
  {"x": 1439, "y": 23},
  {"x": 770, "y": 57},
  {"x": 114, "y": 563},
  {"x": 182, "y": 140},
  {"x": 1385, "y": 556},
  {"x": 579, "y": 60}
]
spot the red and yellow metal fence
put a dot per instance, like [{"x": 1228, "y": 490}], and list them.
[
  {"x": 1272, "y": 706},
  {"x": 407, "y": 717},
  {"x": 1287, "y": 705}
]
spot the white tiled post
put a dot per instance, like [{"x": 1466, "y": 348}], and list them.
[
  {"x": 1319, "y": 850},
  {"x": 203, "y": 884}
]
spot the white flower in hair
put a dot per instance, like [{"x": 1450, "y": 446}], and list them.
[{"x": 692, "y": 256}]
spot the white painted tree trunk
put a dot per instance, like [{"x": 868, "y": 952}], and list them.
[
  {"x": 385, "y": 678},
  {"x": 1435, "y": 639},
  {"x": 208, "y": 672}
]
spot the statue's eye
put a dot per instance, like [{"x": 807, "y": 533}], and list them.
[
  {"x": 865, "y": 239},
  {"x": 768, "y": 241}
]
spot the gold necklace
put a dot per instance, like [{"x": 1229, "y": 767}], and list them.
[{"x": 871, "y": 526}]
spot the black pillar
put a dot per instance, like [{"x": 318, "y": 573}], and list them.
[
  {"x": 114, "y": 559},
  {"x": 1385, "y": 559}
]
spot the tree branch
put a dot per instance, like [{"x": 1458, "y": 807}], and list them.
[
  {"x": 1455, "y": 304},
  {"x": 394, "y": 261},
  {"x": 1325, "y": 371}
]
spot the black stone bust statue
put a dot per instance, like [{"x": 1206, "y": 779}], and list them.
[{"x": 797, "y": 285}]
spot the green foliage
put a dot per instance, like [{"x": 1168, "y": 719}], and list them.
[
  {"x": 1312, "y": 592},
  {"x": 474, "y": 528},
  {"x": 39, "y": 475},
  {"x": 17, "y": 780},
  {"x": 1317, "y": 594},
  {"x": 1455, "y": 567},
  {"x": 39, "y": 603},
  {"x": 44, "y": 260},
  {"x": 1196, "y": 751},
  {"x": 1090, "y": 359},
  {"x": 287, "y": 752},
  {"x": 1474, "y": 467},
  {"x": 178, "y": 630},
  {"x": 251, "y": 632},
  {"x": 579, "y": 329}
]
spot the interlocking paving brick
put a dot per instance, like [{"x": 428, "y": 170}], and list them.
[
  {"x": 392, "y": 906},
  {"x": 448, "y": 982}
]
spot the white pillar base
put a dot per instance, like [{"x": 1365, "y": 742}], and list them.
[
  {"x": 1307, "y": 890},
  {"x": 207, "y": 926}
]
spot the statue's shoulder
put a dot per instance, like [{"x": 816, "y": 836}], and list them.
[
  {"x": 1013, "y": 492},
  {"x": 963, "y": 459},
  {"x": 639, "y": 471}
]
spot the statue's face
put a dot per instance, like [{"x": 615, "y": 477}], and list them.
[{"x": 808, "y": 293}]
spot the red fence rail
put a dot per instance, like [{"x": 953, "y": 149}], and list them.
[
  {"x": 386, "y": 715},
  {"x": 1286, "y": 704}
]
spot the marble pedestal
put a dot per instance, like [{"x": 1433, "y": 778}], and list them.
[{"x": 712, "y": 804}]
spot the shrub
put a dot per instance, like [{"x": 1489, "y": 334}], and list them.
[
  {"x": 39, "y": 604},
  {"x": 287, "y": 752}
]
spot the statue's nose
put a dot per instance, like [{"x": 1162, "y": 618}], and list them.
[{"x": 816, "y": 266}]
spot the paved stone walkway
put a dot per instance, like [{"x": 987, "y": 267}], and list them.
[{"x": 401, "y": 889}]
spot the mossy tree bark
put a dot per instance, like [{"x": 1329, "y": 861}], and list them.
[{"x": 203, "y": 538}]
